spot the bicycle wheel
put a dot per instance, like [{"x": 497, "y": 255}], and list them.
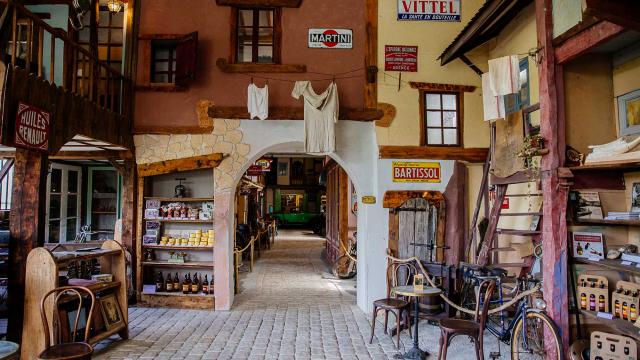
[
  {"x": 341, "y": 268},
  {"x": 530, "y": 344}
]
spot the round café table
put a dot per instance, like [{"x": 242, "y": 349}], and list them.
[
  {"x": 409, "y": 291},
  {"x": 8, "y": 350}
]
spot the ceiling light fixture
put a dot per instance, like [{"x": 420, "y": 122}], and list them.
[{"x": 114, "y": 5}]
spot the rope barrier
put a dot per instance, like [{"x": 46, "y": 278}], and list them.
[
  {"x": 500, "y": 308},
  {"x": 346, "y": 252}
]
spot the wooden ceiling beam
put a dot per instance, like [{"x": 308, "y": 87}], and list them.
[
  {"x": 254, "y": 3},
  {"x": 186, "y": 164},
  {"x": 472, "y": 155},
  {"x": 292, "y": 113},
  {"x": 587, "y": 40}
]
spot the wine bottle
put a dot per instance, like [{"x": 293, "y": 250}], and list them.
[
  {"x": 211, "y": 285},
  {"x": 205, "y": 285},
  {"x": 195, "y": 285},
  {"x": 159, "y": 282},
  {"x": 169, "y": 284},
  {"x": 186, "y": 286},
  {"x": 176, "y": 283}
]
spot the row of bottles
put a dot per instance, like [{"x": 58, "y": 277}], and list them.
[
  {"x": 592, "y": 304},
  {"x": 189, "y": 286},
  {"x": 624, "y": 310}
]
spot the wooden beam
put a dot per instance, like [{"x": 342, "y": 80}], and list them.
[
  {"x": 343, "y": 208},
  {"x": 244, "y": 68},
  {"x": 473, "y": 155},
  {"x": 586, "y": 41},
  {"x": 259, "y": 3},
  {"x": 91, "y": 155},
  {"x": 371, "y": 54},
  {"x": 455, "y": 196},
  {"x": 26, "y": 229},
  {"x": 129, "y": 210},
  {"x": 389, "y": 115},
  {"x": 441, "y": 87},
  {"x": 555, "y": 194},
  {"x": 171, "y": 130},
  {"x": 395, "y": 198},
  {"x": 186, "y": 164},
  {"x": 621, "y": 12},
  {"x": 292, "y": 113}
]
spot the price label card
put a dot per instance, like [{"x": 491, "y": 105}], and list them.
[
  {"x": 605, "y": 315},
  {"x": 626, "y": 263}
]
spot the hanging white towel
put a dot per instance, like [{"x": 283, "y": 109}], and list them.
[
  {"x": 504, "y": 73},
  {"x": 320, "y": 116},
  {"x": 493, "y": 105},
  {"x": 258, "y": 101}
]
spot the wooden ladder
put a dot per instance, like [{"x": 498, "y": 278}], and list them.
[{"x": 489, "y": 241}]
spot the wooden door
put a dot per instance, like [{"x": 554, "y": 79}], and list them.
[{"x": 417, "y": 229}]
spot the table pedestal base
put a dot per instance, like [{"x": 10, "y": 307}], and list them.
[{"x": 414, "y": 353}]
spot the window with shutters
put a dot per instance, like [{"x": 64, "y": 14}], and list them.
[
  {"x": 167, "y": 62},
  {"x": 441, "y": 118}
]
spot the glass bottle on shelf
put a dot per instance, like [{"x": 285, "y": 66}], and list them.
[
  {"x": 592, "y": 302},
  {"x": 186, "y": 285},
  {"x": 159, "y": 282},
  {"x": 617, "y": 309},
  {"x": 205, "y": 285},
  {"x": 169, "y": 284},
  {"x": 195, "y": 285},
  {"x": 176, "y": 283},
  {"x": 583, "y": 301},
  {"x": 211, "y": 289},
  {"x": 625, "y": 310}
]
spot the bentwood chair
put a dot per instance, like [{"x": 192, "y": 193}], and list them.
[
  {"x": 75, "y": 349},
  {"x": 450, "y": 328},
  {"x": 397, "y": 274}
]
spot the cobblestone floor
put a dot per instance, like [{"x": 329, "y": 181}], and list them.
[{"x": 289, "y": 308}]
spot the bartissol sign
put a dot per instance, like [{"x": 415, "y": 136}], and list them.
[
  {"x": 32, "y": 127},
  {"x": 429, "y": 10},
  {"x": 331, "y": 38},
  {"x": 416, "y": 171}
]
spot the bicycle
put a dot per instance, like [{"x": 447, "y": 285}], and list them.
[
  {"x": 525, "y": 330},
  {"x": 345, "y": 266}
]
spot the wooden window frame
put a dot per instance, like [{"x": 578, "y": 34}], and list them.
[
  {"x": 459, "y": 115},
  {"x": 171, "y": 60},
  {"x": 277, "y": 35}
]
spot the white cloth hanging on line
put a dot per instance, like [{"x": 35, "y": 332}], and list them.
[
  {"x": 320, "y": 116},
  {"x": 504, "y": 73},
  {"x": 258, "y": 101},
  {"x": 493, "y": 105}
]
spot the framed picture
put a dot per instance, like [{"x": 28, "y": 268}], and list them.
[
  {"x": 635, "y": 197},
  {"x": 629, "y": 113},
  {"x": 111, "y": 313},
  {"x": 588, "y": 245},
  {"x": 283, "y": 168}
]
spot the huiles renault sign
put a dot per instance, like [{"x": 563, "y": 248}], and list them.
[
  {"x": 331, "y": 38},
  {"x": 429, "y": 10}
]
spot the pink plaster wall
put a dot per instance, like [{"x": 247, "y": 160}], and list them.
[{"x": 212, "y": 23}]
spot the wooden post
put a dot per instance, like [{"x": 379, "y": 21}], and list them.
[
  {"x": 371, "y": 54},
  {"x": 251, "y": 254},
  {"x": 554, "y": 226},
  {"x": 128, "y": 199},
  {"x": 343, "y": 210},
  {"x": 27, "y": 228},
  {"x": 455, "y": 197}
]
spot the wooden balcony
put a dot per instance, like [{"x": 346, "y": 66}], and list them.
[{"x": 83, "y": 95}]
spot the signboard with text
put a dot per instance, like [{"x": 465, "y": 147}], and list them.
[
  {"x": 261, "y": 165},
  {"x": 330, "y": 38},
  {"x": 416, "y": 171},
  {"x": 400, "y": 58},
  {"x": 32, "y": 127},
  {"x": 429, "y": 10}
]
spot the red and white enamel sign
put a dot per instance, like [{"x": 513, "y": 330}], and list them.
[
  {"x": 331, "y": 38},
  {"x": 32, "y": 127},
  {"x": 400, "y": 58}
]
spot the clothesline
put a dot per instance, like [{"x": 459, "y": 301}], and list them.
[{"x": 336, "y": 76}]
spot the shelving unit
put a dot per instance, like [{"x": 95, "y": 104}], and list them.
[
  {"x": 43, "y": 273},
  {"x": 103, "y": 200},
  {"x": 606, "y": 177},
  {"x": 199, "y": 258}
]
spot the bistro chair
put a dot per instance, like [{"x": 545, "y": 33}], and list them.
[
  {"x": 73, "y": 349},
  {"x": 450, "y": 328},
  {"x": 398, "y": 273}
]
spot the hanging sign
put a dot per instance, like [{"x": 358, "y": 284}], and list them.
[
  {"x": 368, "y": 199},
  {"x": 400, "y": 58},
  {"x": 261, "y": 165},
  {"x": 331, "y": 38},
  {"x": 416, "y": 171},
  {"x": 429, "y": 10},
  {"x": 32, "y": 127}
]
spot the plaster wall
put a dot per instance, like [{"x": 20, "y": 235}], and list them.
[
  {"x": 566, "y": 14},
  {"x": 431, "y": 38},
  {"x": 626, "y": 77},
  {"x": 224, "y": 89}
]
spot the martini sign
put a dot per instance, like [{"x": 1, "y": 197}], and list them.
[
  {"x": 32, "y": 127},
  {"x": 331, "y": 38}
]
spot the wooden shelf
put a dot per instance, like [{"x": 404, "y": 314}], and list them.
[
  {"x": 177, "y": 247},
  {"x": 606, "y": 222},
  {"x": 84, "y": 255},
  {"x": 623, "y": 326},
  {"x": 182, "y": 221},
  {"x": 178, "y": 300},
  {"x": 614, "y": 165},
  {"x": 103, "y": 286},
  {"x": 188, "y": 264},
  {"x": 166, "y": 199},
  {"x": 177, "y": 293},
  {"x": 609, "y": 264}
]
